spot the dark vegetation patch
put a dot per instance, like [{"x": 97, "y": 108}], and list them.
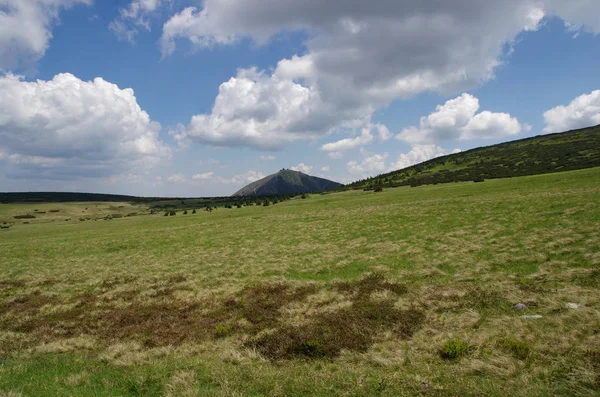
[
  {"x": 594, "y": 358},
  {"x": 371, "y": 283},
  {"x": 517, "y": 348},
  {"x": 8, "y": 287},
  {"x": 355, "y": 328},
  {"x": 160, "y": 319},
  {"x": 588, "y": 279},
  {"x": 484, "y": 299},
  {"x": 259, "y": 304},
  {"x": 326, "y": 335},
  {"x": 27, "y": 216}
]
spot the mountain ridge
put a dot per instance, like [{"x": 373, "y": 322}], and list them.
[{"x": 286, "y": 182}]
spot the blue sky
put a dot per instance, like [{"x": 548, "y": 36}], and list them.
[{"x": 225, "y": 92}]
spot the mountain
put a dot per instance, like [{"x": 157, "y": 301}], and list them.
[
  {"x": 571, "y": 150},
  {"x": 287, "y": 182}
]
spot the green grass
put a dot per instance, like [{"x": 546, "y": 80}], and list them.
[{"x": 350, "y": 293}]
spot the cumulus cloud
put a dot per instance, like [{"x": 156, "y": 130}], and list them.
[
  {"x": 358, "y": 58},
  {"x": 419, "y": 154},
  {"x": 366, "y": 137},
  {"x": 372, "y": 164},
  {"x": 458, "y": 119},
  {"x": 133, "y": 18},
  {"x": 66, "y": 127},
  {"x": 583, "y": 111},
  {"x": 176, "y": 178},
  {"x": 262, "y": 111},
  {"x": 369, "y": 165},
  {"x": 240, "y": 179},
  {"x": 335, "y": 155},
  {"x": 26, "y": 29},
  {"x": 325, "y": 168},
  {"x": 303, "y": 168},
  {"x": 349, "y": 143},
  {"x": 203, "y": 177}
]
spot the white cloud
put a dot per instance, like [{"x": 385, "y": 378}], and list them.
[
  {"x": 26, "y": 29},
  {"x": 268, "y": 158},
  {"x": 303, "y": 168},
  {"x": 370, "y": 164},
  {"x": 381, "y": 132},
  {"x": 325, "y": 168},
  {"x": 418, "y": 154},
  {"x": 203, "y": 177},
  {"x": 176, "y": 178},
  {"x": 335, "y": 155},
  {"x": 261, "y": 111},
  {"x": 241, "y": 179},
  {"x": 583, "y": 111},
  {"x": 133, "y": 18},
  {"x": 66, "y": 127},
  {"x": 458, "y": 119},
  {"x": 349, "y": 143},
  {"x": 358, "y": 59}
]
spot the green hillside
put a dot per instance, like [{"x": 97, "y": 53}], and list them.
[{"x": 565, "y": 151}]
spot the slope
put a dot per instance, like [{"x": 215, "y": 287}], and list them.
[{"x": 564, "y": 151}]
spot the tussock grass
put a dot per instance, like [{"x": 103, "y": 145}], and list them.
[{"x": 342, "y": 294}]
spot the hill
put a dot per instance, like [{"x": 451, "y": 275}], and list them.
[
  {"x": 287, "y": 182},
  {"x": 543, "y": 154}
]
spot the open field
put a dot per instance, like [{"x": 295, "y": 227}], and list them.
[{"x": 405, "y": 292}]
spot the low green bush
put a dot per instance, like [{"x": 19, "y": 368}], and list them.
[
  {"x": 519, "y": 349},
  {"x": 454, "y": 350}
]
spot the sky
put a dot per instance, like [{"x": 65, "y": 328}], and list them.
[{"x": 199, "y": 98}]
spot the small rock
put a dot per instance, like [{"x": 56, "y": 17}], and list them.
[
  {"x": 532, "y": 316},
  {"x": 424, "y": 385},
  {"x": 520, "y": 307},
  {"x": 570, "y": 305}
]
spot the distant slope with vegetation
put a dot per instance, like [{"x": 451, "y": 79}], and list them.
[
  {"x": 564, "y": 151},
  {"x": 287, "y": 182}
]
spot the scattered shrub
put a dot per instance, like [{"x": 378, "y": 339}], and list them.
[
  {"x": 194, "y": 211},
  {"x": 378, "y": 189},
  {"x": 304, "y": 196},
  {"x": 172, "y": 213},
  {"x": 222, "y": 330},
  {"x": 454, "y": 350},
  {"x": 519, "y": 349},
  {"x": 185, "y": 212},
  {"x": 28, "y": 216},
  {"x": 166, "y": 213}
]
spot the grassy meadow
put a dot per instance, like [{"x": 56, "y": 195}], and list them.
[{"x": 410, "y": 291}]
